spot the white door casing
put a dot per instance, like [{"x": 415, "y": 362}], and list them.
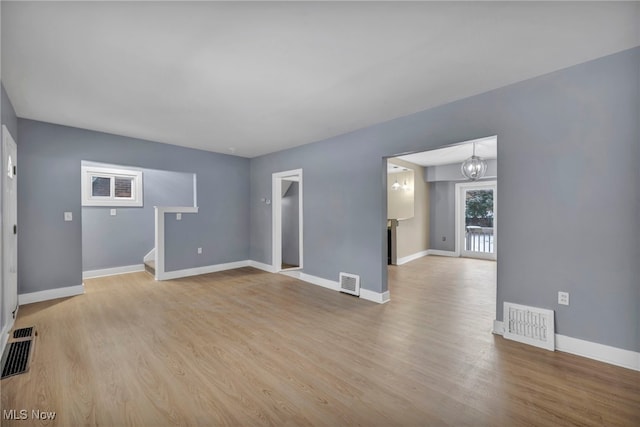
[
  {"x": 9, "y": 228},
  {"x": 460, "y": 194},
  {"x": 276, "y": 215}
]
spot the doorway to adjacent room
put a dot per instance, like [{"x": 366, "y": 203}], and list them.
[{"x": 287, "y": 224}]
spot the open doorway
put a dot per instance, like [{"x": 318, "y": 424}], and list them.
[
  {"x": 287, "y": 224},
  {"x": 460, "y": 217},
  {"x": 444, "y": 177}
]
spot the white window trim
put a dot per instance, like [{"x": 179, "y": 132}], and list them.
[{"x": 89, "y": 171}]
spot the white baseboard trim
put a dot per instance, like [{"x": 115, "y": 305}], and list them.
[
  {"x": 442, "y": 253},
  {"x": 379, "y": 297},
  {"x": 366, "y": 294},
  {"x": 261, "y": 266},
  {"x": 408, "y": 258},
  {"x": 4, "y": 338},
  {"x": 591, "y": 350},
  {"x": 90, "y": 274},
  {"x": 150, "y": 256},
  {"x": 291, "y": 273},
  {"x": 187, "y": 272},
  {"x": 3, "y": 341},
  {"x": 498, "y": 327},
  {"x": 315, "y": 280},
  {"x": 50, "y": 294},
  {"x": 604, "y": 353}
]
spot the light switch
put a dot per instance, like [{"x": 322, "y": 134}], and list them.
[
  {"x": 68, "y": 216},
  {"x": 178, "y": 216},
  {"x": 113, "y": 212}
]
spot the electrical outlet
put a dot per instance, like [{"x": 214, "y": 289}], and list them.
[
  {"x": 563, "y": 298},
  {"x": 199, "y": 251}
]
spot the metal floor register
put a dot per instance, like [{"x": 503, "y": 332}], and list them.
[{"x": 17, "y": 354}]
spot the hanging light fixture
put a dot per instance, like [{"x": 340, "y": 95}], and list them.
[
  {"x": 405, "y": 186},
  {"x": 395, "y": 186},
  {"x": 474, "y": 167}
]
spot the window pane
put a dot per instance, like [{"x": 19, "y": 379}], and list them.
[
  {"x": 100, "y": 186},
  {"x": 123, "y": 187},
  {"x": 479, "y": 221}
]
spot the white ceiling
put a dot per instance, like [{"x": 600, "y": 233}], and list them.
[
  {"x": 253, "y": 78},
  {"x": 487, "y": 148}
]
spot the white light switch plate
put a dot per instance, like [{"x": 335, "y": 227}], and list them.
[
  {"x": 113, "y": 212},
  {"x": 178, "y": 216},
  {"x": 68, "y": 216}
]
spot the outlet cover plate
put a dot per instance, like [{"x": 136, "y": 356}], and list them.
[{"x": 563, "y": 298}]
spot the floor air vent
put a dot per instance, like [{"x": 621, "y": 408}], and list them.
[
  {"x": 23, "y": 332},
  {"x": 529, "y": 325},
  {"x": 350, "y": 284},
  {"x": 16, "y": 358}
]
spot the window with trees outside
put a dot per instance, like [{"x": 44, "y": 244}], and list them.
[{"x": 103, "y": 186}]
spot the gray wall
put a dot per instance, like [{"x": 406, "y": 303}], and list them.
[
  {"x": 442, "y": 215},
  {"x": 182, "y": 240},
  {"x": 121, "y": 240},
  {"x": 9, "y": 118},
  {"x": 291, "y": 225},
  {"x": 569, "y": 193},
  {"x": 50, "y": 250}
]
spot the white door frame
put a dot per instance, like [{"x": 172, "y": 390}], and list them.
[
  {"x": 276, "y": 216},
  {"x": 9, "y": 232},
  {"x": 460, "y": 220}
]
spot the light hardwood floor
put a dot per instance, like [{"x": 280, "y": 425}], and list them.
[{"x": 245, "y": 348}]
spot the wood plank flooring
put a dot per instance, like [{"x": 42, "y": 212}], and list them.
[{"x": 246, "y": 348}]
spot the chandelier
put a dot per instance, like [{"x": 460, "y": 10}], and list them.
[{"x": 474, "y": 167}]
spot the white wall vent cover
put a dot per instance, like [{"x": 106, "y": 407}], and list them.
[
  {"x": 529, "y": 325},
  {"x": 350, "y": 283}
]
